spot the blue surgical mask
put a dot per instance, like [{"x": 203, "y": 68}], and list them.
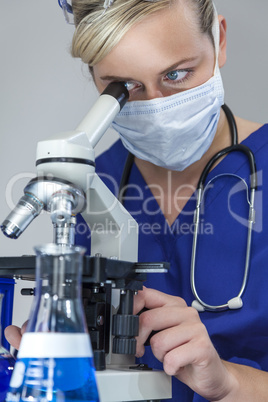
[{"x": 175, "y": 131}]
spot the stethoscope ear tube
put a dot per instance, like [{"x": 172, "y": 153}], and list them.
[
  {"x": 125, "y": 176},
  {"x": 233, "y": 148}
]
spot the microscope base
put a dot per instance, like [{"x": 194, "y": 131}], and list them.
[{"x": 124, "y": 384}]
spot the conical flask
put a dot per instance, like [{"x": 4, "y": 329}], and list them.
[
  {"x": 55, "y": 360},
  {"x": 7, "y": 362}
]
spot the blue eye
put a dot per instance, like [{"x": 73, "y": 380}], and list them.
[
  {"x": 173, "y": 75},
  {"x": 177, "y": 75}
]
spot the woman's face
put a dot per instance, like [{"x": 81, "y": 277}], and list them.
[{"x": 162, "y": 55}]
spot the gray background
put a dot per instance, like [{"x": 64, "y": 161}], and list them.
[{"x": 44, "y": 91}]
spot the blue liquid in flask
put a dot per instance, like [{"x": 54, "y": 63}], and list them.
[
  {"x": 55, "y": 359},
  {"x": 54, "y": 379}
]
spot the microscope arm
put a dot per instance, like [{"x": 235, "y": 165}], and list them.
[{"x": 114, "y": 233}]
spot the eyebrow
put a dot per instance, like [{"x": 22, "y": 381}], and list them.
[
  {"x": 168, "y": 69},
  {"x": 178, "y": 64}
]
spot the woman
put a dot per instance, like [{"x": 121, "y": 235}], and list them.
[{"x": 169, "y": 54}]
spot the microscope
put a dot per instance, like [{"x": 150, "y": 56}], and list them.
[{"x": 66, "y": 185}]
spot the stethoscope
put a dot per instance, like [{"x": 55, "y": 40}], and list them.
[{"x": 198, "y": 303}]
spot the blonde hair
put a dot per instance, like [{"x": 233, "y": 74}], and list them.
[{"x": 97, "y": 32}]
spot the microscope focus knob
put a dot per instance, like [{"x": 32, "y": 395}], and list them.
[
  {"x": 124, "y": 346},
  {"x": 125, "y": 329}
]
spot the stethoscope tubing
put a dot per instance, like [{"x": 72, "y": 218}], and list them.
[
  {"x": 235, "y": 302},
  {"x": 198, "y": 303}
]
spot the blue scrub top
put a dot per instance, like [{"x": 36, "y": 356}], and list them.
[{"x": 240, "y": 335}]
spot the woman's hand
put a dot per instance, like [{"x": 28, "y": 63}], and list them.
[
  {"x": 14, "y": 334},
  {"x": 182, "y": 344}
]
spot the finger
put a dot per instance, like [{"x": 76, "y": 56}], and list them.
[
  {"x": 23, "y": 328},
  {"x": 197, "y": 365},
  {"x": 161, "y": 319},
  {"x": 178, "y": 359},
  {"x": 170, "y": 339},
  {"x": 151, "y": 298},
  {"x": 197, "y": 354},
  {"x": 13, "y": 335}
]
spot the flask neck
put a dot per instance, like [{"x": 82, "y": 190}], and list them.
[{"x": 57, "y": 303}]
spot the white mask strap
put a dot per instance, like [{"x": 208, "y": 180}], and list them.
[{"x": 216, "y": 38}]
